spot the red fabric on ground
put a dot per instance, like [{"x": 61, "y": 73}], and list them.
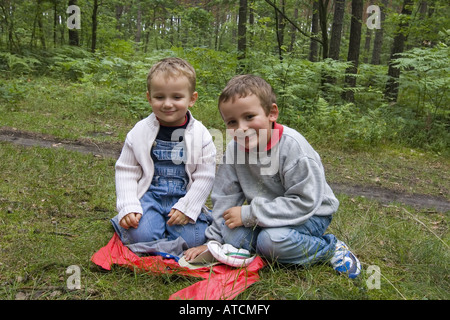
[
  {"x": 221, "y": 281},
  {"x": 224, "y": 283}
]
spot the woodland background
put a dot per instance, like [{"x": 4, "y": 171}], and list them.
[{"x": 331, "y": 72}]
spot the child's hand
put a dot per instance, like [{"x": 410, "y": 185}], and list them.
[
  {"x": 130, "y": 220},
  {"x": 192, "y": 253},
  {"x": 177, "y": 217},
  {"x": 232, "y": 217}
]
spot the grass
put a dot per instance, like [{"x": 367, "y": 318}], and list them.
[
  {"x": 55, "y": 207},
  {"x": 65, "y": 110},
  {"x": 85, "y": 112},
  {"x": 392, "y": 167},
  {"x": 54, "y": 212}
]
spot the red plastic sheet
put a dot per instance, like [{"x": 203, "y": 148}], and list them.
[{"x": 221, "y": 282}]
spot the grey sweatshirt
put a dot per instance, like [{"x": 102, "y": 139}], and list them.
[{"x": 280, "y": 187}]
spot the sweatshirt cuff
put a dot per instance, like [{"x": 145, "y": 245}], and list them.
[{"x": 248, "y": 220}]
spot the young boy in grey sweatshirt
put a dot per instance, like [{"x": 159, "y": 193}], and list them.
[{"x": 270, "y": 194}]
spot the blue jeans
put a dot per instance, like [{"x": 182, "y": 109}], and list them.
[
  {"x": 303, "y": 244},
  {"x": 168, "y": 186}
]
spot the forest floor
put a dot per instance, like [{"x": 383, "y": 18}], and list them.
[
  {"x": 104, "y": 149},
  {"x": 57, "y": 197}
]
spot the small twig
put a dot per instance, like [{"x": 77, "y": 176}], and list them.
[
  {"x": 41, "y": 288},
  {"x": 404, "y": 298},
  {"x": 63, "y": 234},
  {"x": 56, "y": 233},
  {"x": 423, "y": 224},
  {"x": 292, "y": 23},
  {"x": 392, "y": 285}
]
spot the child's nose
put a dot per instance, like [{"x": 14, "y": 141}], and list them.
[
  {"x": 168, "y": 103},
  {"x": 243, "y": 126}
]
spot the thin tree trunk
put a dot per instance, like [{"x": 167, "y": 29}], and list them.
[
  {"x": 242, "y": 33},
  {"x": 336, "y": 29},
  {"x": 94, "y": 26},
  {"x": 138, "y": 22},
  {"x": 391, "y": 91},
  {"x": 323, "y": 7},
  {"x": 353, "y": 48},
  {"x": 74, "y": 39},
  {"x": 40, "y": 25},
  {"x": 55, "y": 22},
  {"x": 314, "y": 46},
  {"x": 367, "y": 41},
  {"x": 378, "y": 42},
  {"x": 292, "y": 29}
]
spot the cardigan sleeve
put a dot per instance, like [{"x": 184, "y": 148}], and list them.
[{"x": 128, "y": 173}]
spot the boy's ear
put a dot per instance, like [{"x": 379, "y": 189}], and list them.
[
  {"x": 148, "y": 97},
  {"x": 273, "y": 114},
  {"x": 194, "y": 98}
]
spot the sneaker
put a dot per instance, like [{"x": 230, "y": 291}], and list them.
[
  {"x": 344, "y": 261},
  {"x": 229, "y": 255}
]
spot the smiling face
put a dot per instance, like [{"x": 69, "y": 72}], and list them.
[
  {"x": 170, "y": 98},
  {"x": 248, "y": 121}
]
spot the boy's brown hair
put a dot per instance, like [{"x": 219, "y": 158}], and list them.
[
  {"x": 172, "y": 68},
  {"x": 242, "y": 86}
]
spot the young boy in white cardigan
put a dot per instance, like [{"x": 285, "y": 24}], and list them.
[{"x": 167, "y": 165}]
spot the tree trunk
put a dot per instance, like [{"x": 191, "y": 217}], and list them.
[
  {"x": 314, "y": 46},
  {"x": 280, "y": 25},
  {"x": 391, "y": 91},
  {"x": 293, "y": 33},
  {"x": 74, "y": 39},
  {"x": 367, "y": 41},
  {"x": 378, "y": 42},
  {"x": 94, "y": 26},
  {"x": 353, "y": 48},
  {"x": 336, "y": 29},
  {"x": 55, "y": 22},
  {"x": 251, "y": 22},
  {"x": 242, "y": 33},
  {"x": 8, "y": 14},
  {"x": 118, "y": 15},
  {"x": 217, "y": 24},
  {"x": 323, "y": 7},
  {"x": 139, "y": 23},
  {"x": 40, "y": 25}
]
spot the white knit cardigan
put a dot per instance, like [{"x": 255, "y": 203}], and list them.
[{"x": 135, "y": 168}]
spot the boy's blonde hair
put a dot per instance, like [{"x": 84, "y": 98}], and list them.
[
  {"x": 242, "y": 86},
  {"x": 172, "y": 68}
]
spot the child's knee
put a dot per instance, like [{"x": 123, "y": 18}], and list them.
[
  {"x": 274, "y": 243},
  {"x": 141, "y": 235},
  {"x": 240, "y": 237}
]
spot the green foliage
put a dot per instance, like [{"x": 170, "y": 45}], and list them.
[
  {"x": 213, "y": 69},
  {"x": 11, "y": 92},
  {"x": 309, "y": 94},
  {"x": 13, "y": 64},
  {"x": 344, "y": 126},
  {"x": 425, "y": 75}
]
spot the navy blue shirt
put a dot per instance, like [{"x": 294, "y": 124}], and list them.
[{"x": 165, "y": 132}]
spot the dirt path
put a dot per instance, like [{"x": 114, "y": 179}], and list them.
[
  {"x": 382, "y": 195},
  {"x": 84, "y": 146}
]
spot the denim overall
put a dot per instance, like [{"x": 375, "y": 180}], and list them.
[{"x": 168, "y": 186}]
